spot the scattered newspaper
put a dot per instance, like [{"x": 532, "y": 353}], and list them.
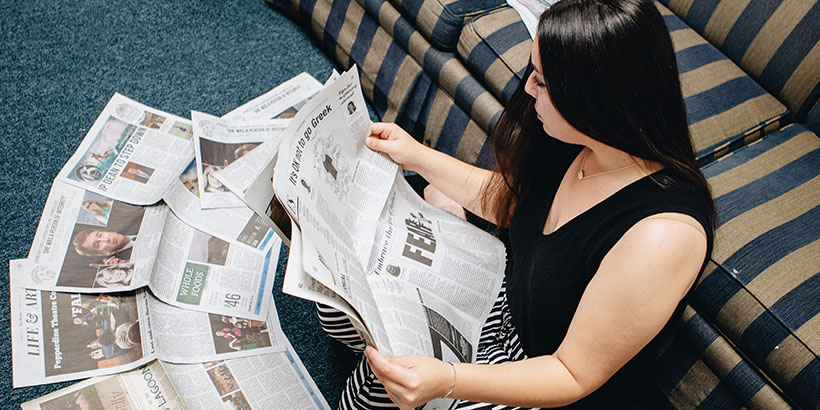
[
  {"x": 146, "y": 387},
  {"x": 94, "y": 244},
  {"x": 131, "y": 153},
  {"x": 271, "y": 381},
  {"x": 219, "y": 143},
  {"x": 187, "y": 336},
  {"x": 67, "y": 336},
  {"x": 86, "y": 242},
  {"x": 240, "y": 224},
  {"x": 418, "y": 279},
  {"x": 59, "y": 336},
  {"x": 530, "y": 11}
]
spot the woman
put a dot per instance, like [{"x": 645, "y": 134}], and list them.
[{"x": 608, "y": 222}]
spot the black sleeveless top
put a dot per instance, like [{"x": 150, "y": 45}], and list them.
[{"x": 547, "y": 274}]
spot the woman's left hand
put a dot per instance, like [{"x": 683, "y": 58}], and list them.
[{"x": 410, "y": 381}]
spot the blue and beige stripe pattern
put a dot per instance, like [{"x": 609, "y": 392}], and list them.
[
  {"x": 699, "y": 369},
  {"x": 725, "y": 107},
  {"x": 763, "y": 293},
  {"x": 440, "y": 21},
  {"x": 777, "y": 42},
  {"x": 496, "y": 48}
]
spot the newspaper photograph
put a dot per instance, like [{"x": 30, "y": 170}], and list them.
[
  {"x": 271, "y": 381},
  {"x": 131, "y": 153},
  {"x": 146, "y": 387},
  {"x": 240, "y": 224},
  {"x": 219, "y": 143},
  {"x": 530, "y": 11},
  {"x": 188, "y": 336},
  {"x": 86, "y": 242},
  {"x": 59, "y": 336},
  {"x": 198, "y": 271}
]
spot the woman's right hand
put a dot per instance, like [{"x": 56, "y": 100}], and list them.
[{"x": 392, "y": 140}]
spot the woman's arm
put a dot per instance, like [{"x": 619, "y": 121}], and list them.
[
  {"x": 458, "y": 180},
  {"x": 629, "y": 300}
]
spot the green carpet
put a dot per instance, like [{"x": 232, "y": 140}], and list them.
[{"x": 62, "y": 61}]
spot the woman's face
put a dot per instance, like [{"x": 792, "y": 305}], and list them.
[{"x": 554, "y": 124}]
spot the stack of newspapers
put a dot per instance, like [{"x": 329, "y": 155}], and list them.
[{"x": 184, "y": 220}]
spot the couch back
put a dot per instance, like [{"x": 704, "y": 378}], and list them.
[{"x": 776, "y": 42}]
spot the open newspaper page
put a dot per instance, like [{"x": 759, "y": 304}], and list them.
[
  {"x": 90, "y": 243},
  {"x": 283, "y": 101},
  {"x": 58, "y": 336},
  {"x": 324, "y": 166},
  {"x": 188, "y": 336},
  {"x": 131, "y": 153},
  {"x": 439, "y": 252},
  {"x": 270, "y": 381},
  {"x": 530, "y": 11},
  {"x": 238, "y": 224},
  {"x": 250, "y": 177},
  {"x": 146, "y": 387},
  {"x": 198, "y": 271},
  {"x": 219, "y": 143},
  {"x": 298, "y": 283}
]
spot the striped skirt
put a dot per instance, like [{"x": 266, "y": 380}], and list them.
[{"x": 498, "y": 344}]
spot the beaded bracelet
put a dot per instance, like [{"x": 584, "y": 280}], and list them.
[{"x": 453, "y": 384}]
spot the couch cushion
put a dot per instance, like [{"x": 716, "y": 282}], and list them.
[
  {"x": 496, "y": 48},
  {"x": 440, "y": 21},
  {"x": 777, "y": 42},
  {"x": 725, "y": 107},
  {"x": 395, "y": 83},
  {"x": 763, "y": 293},
  {"x": 698, "y": 369},
  {"x": 443, "y": 67},
  {"x": 813, "y": 119}
]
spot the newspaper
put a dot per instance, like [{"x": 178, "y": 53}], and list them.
[
  {"x": 421, "y": 280},
  {"x": 67, "y": 336},
  {"x": 59, "y": 336},
  {"x": 282, "y": 102},
  {"x": 238, "y": 224},
  {"x": 146, "y": 387},
  {"x": 93, "y": 244},
  {"x": 249, "y": 177},
  {"x": 219, "y": 143},
  {"x": 198, "y": 271},
  {"x": 271, "y": 381},
  {"x": 530, "y": 11},
  {"x": 131, "y": 153},
  {"x": 86, "y": 242},
  {"x": 187, "y": 336}
]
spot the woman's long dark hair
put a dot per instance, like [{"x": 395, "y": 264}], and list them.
[{"x": 610, "y": 70}]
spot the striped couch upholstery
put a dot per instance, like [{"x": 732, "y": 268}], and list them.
[{"x": 750, "y": 69}]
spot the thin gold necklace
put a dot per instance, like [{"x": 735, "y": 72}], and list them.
[{"x": 582, "y": 177}]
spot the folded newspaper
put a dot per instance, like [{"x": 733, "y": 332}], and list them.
[
  {"x": 69, "y": 336},
  {"x": 275, "y": 380}
]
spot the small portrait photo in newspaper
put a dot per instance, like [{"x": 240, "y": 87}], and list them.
[{"x": 101, "y": 244}]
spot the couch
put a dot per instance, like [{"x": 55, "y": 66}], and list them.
[{"x": 750, "y": 72}]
